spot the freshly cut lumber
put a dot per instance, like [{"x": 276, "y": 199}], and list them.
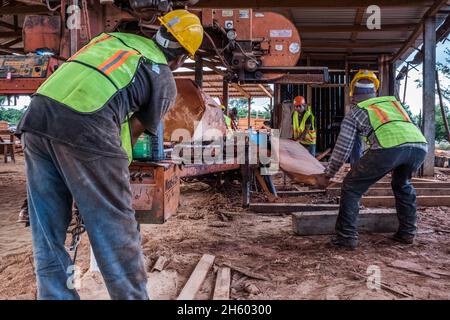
[
  {"x": 277, "y": 208},
  {"x": 300, "y": 193},
  {"x": 323, "y": 222},
  {"x": 197, "y": 277},
  {"x": 297, "y": 162},
  {"x": 416, "y": 184},
  {"x": 422, "y": 201},
  {"x": 223, "y": 281},
  {"x": 384, "y": 192},
  {"x": 194, "y": 111}
]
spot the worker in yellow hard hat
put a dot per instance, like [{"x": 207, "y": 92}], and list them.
[
  {"x": 79, "y": 131},
  {"x": 303, "y": 125},
  {"x": 396, "y": 146},
  {"x": 228, "y": 121}
]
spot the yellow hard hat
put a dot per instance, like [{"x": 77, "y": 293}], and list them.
[
  {"x": 364, "y": 74},
  {"x": 223, "y": 107},
  {"x": 185, "y": 27}
]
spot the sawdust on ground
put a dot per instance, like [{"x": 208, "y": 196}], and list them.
[{"x": 212, "y": 222}]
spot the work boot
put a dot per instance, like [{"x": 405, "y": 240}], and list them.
[
  {"x": 346, "y": 243},
  {"x": 405, "y": 239}
]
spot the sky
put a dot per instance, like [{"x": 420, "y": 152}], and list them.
[{"x": 413, "y": 94}]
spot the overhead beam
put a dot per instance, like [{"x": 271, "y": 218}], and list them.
[
  {"x": 23, "y": 10},
  {"x": 10, "y": 43},
  {"x": 9, "y": 25},
  {"x": 347, "y": 44},
  {"x": 438, "y": 4},
  {"x": 9, "y": 34},
  {"x": 354, "y": 28},
  {"x": 306, "y": 4}
]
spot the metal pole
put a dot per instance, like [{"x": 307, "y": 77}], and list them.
[
  {"x": 199, "y": 71},
  {"x": 406, "y": 83},
  {"x": 249, "y": 111}
]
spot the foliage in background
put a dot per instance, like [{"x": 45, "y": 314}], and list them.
[
  {"x": 242, "y": 107},
  {"x": 10, "y": 115},
  {"x": 444, "y": 70}
]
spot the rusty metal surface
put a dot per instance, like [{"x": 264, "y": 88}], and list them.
[
  {"x": 202, "y": 169},
  {"x": 24, "y": 74},
  {"x": 41, "y": 32},
  {"x": 281, "y": 37},
  {"x": 155, "y": 191}
]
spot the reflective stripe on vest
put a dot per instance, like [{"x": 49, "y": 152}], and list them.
[
  {"x": 93, "y": 75},
  {"x": 299, "y": 127},
  {"x": 390, "y": 122}
]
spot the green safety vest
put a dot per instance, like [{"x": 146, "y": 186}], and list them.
[
  {"x": 227, "y": 121},
  {"x": 390, "y": 122},
  {"x": 93, "y": 75},
  {"x": 299, "y": 127}
]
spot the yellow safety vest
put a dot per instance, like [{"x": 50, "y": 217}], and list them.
[{"x": 299, "y": 127}]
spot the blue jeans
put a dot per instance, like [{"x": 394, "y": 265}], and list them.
[
  {"x": 374, "y": 165},
  {"x": 311, "y": 148},
  {"x": 57, "y": 175}
]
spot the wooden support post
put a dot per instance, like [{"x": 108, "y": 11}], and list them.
[
  {"x": 199, "y": 71},
  {"x": 249, "y": 111},
  {"x": 429, "y": 92},
  {"x": 277, "y": 106},
  {"x": 422, "y": 201},
  {"x": 320, "y": 223},
  {"x": 392, "y": 82},
  {"x": 277, "y": 208},
  {"x": 225, "y": 96}
]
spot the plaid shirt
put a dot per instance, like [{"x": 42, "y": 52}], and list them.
[{"x": 356, "y": 123}]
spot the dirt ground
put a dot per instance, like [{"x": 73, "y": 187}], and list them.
[{"x": 211, "y": 222}]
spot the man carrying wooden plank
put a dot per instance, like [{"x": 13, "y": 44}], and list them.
[{"x": 395, "y": 144}]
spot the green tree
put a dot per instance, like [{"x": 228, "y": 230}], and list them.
[
  {"x": 11, "y": 115},
  {"x": 242, "y": 107}
]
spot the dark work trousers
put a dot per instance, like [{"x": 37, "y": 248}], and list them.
[
  {"x": 374, "y": 165},
  {"x": 58, "y": 174},
  {"x": 311, "y": 148}
]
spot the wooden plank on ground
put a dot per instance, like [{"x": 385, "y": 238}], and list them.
[
  {"x": 321, "y": 223},
  {"x": 417, "y": 184},
  {"x": 223, "y": 281},
  {"x": 277, "y": 208},
  {"x": 197, "y": 277},
  {"x": 299, "y": 193},
  {"x": 380, "y": 192},
  {"x": 422, "y": 201}
]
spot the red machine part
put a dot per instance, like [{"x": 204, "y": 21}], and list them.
[
  {"x": 277, "y": 36},
  {"x": 24, "y": 74},
  {"x": 42, "y": 32}
]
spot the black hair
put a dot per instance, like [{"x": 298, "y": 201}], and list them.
[{"x": 171, "y": 54}]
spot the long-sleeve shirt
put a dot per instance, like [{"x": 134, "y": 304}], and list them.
[{"x": 356, "y": 123}]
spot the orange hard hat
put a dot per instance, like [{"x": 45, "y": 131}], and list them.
[{"x": 299, "y": 100}]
